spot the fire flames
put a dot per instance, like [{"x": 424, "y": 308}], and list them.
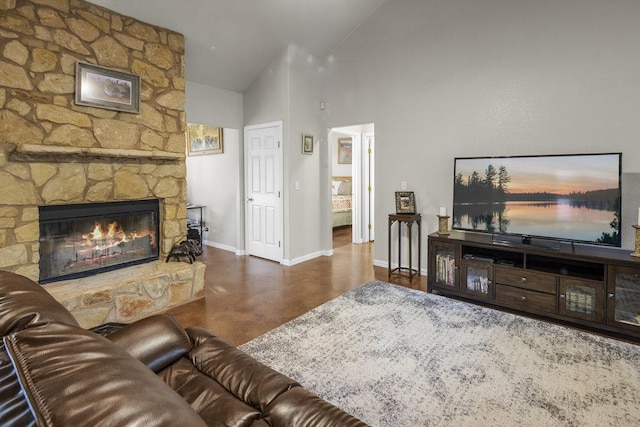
[
  {"x": 79, "y": 240},
  {"x": 114, "y": 235}
]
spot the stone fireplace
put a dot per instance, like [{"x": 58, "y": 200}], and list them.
[
  {"x": 54, "y": 152},
  {"x": 80, "y": 240}
]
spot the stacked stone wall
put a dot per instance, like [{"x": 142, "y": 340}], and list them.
[{"x": 55, "y": 152}]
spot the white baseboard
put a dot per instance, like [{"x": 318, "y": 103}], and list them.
[
  {"x": 308, "y": 257},
  {"x": 286, "y": 262},
  {"x": 220, "y": 246},
  {"x": 380, "y": 263}
]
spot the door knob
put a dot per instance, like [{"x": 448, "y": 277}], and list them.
[{"x": 249, "y": 199}]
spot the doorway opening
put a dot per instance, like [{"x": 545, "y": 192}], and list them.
[{"x": 352, "y": 180}]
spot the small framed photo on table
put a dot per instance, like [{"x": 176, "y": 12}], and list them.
[{"x": 405, "y": 202}]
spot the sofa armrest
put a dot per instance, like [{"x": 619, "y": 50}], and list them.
[
  {"x": 73, "y": 377},
  {"x": 198, "y": 335},
  {"x": 156, "y": 341},
  {"x": 299, "y": 407},
  {"x": 25, "y": 304}
]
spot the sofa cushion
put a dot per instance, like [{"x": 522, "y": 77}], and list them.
[
  {"x": 24, "y": 303},
  {"x": 220, "y": 376},
  {"x": 222, "y": 383},
  {"x": 240, "y": 374},
  {"x": 75, "y": 377},
  {"x": 156, "y": 341},
  {"x": 215, "y": 404}
]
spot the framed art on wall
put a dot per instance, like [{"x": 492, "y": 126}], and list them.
[
  {"x": 345, "y": 152},
  {"x": 307, "y": 144},
  {"x": 405, "y": 202},
  {"x": 204, "y": 139},
  {"x": 103, "y": 87}
]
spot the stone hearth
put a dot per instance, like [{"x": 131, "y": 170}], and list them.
[{"x": 130, "y": 293}]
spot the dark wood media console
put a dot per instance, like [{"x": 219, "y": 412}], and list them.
[{"x": 593, "y": 286}]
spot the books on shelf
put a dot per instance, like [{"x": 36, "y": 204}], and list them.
[
  {"x": 446, "y": 269},
  {"x": 478, "y": 283}
]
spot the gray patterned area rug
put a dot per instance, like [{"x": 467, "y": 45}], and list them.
[{"x": 397, "y": 357}]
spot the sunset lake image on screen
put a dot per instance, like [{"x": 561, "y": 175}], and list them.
[{"x": 572, "y": 197}]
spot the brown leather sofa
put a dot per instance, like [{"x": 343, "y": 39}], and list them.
[{"x": 148, "y": 373}]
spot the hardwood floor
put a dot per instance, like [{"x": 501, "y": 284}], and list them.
[
  {"x": 341, "y": 236},
  {"x": 247, "y": 296}
]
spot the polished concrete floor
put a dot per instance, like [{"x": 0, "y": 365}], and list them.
[{"x": 247, "y": 296}]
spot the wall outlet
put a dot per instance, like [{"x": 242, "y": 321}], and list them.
[
  {"x": 297, "y": 185},
  {"x": 403, "y": 185}
]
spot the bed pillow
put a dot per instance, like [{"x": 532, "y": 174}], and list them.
[
  {"x": 345, "y": 188},
  {"x": 334, "y": 187}
]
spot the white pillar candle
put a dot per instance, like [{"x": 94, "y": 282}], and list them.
[
  {"x": 636, "y": 222},
  {"x": 443, "y": 212}
]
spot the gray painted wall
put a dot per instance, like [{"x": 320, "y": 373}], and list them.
[
  {"x": 309, "y": 203},
  {"x": 215, "y": 181},
  {"x": 289, "y": 90},
  {"x": 451, "y": 78}
]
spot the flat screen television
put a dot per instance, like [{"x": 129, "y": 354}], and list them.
[{"x": 574, "y": 197}]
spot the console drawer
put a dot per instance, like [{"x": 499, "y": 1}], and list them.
[
  {"x": 526, "y": 279},
  {"x": 526, "y": 300}
]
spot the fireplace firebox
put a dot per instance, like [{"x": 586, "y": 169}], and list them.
[{"x": 85, "y": 239}]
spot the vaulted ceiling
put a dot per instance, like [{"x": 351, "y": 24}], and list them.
[{"x": 229, "y": 42}]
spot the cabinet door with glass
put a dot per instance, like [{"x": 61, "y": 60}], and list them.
[
  {"x": 444, "y": 259},
  {"x": 477, "y": 278},
  {"x": 582, "y": 299},
  {"x": 623, "y": 297}
]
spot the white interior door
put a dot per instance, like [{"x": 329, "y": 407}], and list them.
[
  {"x": 263, "y": 166},
  {"x": 356, "y": 188}
]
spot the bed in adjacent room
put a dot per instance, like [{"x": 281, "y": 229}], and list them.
[{"x": 341, "y": 200}]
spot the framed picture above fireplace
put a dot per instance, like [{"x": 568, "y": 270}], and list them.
[{"x": 103, "y": 87}]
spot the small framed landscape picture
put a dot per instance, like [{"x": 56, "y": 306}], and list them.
[
  {"x": 204, "y": 139},
  {"x": 307, "y": 144},
  {"x": 345, "y": 151},
  {"x": 102, "y": 87},
  {"x": 405, "y": 202}
]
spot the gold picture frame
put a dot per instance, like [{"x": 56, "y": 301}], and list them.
[
  {"x": 204, "y": 139},
  {"x": 345, "y": 151}
]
